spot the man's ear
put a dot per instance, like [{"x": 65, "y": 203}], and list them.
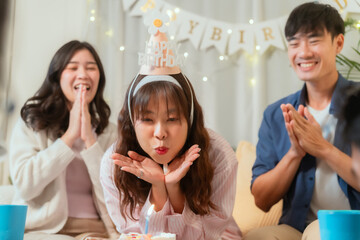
[{"x": 339, "y": 41}]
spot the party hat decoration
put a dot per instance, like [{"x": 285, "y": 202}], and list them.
[{"x": 160, "y": 56}]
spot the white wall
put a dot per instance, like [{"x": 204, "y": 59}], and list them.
[{"x": 41, "y": 27}]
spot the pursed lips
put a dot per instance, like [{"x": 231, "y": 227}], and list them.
[{"x": 161, "y": 150}]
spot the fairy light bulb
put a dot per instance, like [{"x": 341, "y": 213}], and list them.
[
  {"x": 252, "y": 82},
  {"x": 92, "y": 18},
  {"x": 122, "y": 48},
  {"x": 92, "y": 11},
  {"x": 221, "y": 58},
  {"x": 251, "y": 21},
  {"x": 257, "y": 48},
  {"x": 186, "y": 54},
  {"x": 229, "y": 31},
  {"x": 205, "y": 79},
  {"x": 177, "y": 10}
]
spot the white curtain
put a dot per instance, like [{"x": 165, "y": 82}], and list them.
[{"x": 234, "y": 97}]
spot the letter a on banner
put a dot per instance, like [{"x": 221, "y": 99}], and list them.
[{"x": 192, "y": 28}]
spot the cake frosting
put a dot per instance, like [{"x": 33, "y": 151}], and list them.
[{"x": 160, "y": 236}]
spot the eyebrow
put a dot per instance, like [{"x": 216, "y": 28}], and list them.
[
  {"x": 309, "y": 35},
  {"x": 76, "y": 62}
]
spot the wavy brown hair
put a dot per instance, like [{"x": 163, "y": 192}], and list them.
[
  {"x": 47, "y": 109},
  {"x": 134, "y": 191}
]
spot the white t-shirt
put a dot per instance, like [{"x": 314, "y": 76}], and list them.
[{"x": 327, "y": 193}]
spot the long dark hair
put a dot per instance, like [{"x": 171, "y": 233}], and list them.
[
  {"x": 47, "y": 109},
  {"x": 350, "y": 114},
  {"x": 134, "y": 191}
]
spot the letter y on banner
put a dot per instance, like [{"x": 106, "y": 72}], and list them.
[{"x": 192, "y": 28}]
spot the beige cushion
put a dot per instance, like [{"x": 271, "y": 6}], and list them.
[{"x": 246, "y": 214}]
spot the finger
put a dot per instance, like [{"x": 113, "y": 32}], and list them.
[
  {"x": 192, "y": 157},
  {"x": 193, "y": 149},
  {"x": 283, "y": 108},
  {"x": 135, "y": 171},
  {"x": 301, "y": 110},
  {"x": 286, "y": 117},
  {"x": 294, "y": 115},
  {"x": 120, "y": 157},
  {"x": 135, "y": 156}
]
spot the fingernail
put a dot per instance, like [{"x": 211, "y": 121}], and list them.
[{"x": 199, "y": 150}]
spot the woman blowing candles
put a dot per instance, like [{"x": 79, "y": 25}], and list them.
[
  {"x": 157, "y": 160},
  {"x": 56, "y": 149}
]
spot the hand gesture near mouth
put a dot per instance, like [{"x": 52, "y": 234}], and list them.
[
  {"x": 80, "y": 121},
  {"x": 163, "y": 186},
  {"x": 181, "y": 165}
]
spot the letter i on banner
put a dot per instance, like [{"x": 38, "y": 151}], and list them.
[
  {"x": 192, "y": 27},
  {"x": 242, "y": 37},
  {"x": 216, "y": 34}
]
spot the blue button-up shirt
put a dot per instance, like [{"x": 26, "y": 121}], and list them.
[{"x": 274, "y": 143}]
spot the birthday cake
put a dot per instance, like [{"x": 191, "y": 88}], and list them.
[{"x": 161, "y": 236}]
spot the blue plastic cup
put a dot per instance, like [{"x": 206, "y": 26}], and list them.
[
  {"x": 339, "y": 224},
  {"x": 12, "y": 222}
]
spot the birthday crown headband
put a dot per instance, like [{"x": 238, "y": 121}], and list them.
[{"x": 158, "y": 61}]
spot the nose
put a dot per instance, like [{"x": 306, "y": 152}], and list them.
[
  {"x": 305, "y": 51},
  {"x": 82, "y": 73},
  {"x": 160, "y": 131}
]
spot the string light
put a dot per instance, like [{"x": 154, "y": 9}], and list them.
[
  {"x": 186, "y": 54},
  {"x": 177, "y": 10},
  {"x": 92, "y": 11},
  {"x": 229, "y": 31},
  {"x": 92, "y": 18},
  {"x": 221, "y": 58},
  {"x": 358, "y": 25},
  {"x": 251, "y": 21},
  {"x": 252, "y": 82},
  {"x": 122, "y": 48},
  {"x": 109, "y": 33},
  {"x": 172, "y": 37},
  {"x": 205, "y": 78},
  {"x": 257, "y": 48}
]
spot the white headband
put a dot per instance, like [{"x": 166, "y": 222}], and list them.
[{"x": 158, "y": 78}]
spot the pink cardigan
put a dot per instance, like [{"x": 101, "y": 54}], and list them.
[{"x": 188, "y": 225}]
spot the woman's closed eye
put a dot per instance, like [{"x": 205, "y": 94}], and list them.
[{"x": 146, "y": 119}]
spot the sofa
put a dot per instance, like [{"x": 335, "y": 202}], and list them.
[{"x": 245, "y": 213}]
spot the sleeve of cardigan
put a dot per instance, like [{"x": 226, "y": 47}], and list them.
[{"x": 34, "y": 163}]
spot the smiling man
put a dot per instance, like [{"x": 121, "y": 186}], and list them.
[{"x": 301, "y": 156}]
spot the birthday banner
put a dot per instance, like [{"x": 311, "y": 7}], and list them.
[{"x": 227, "y": 38}]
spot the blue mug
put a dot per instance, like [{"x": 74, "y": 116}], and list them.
[
  {"x": 12, "y": 222},
  {"x": 339, "y": 224}
]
